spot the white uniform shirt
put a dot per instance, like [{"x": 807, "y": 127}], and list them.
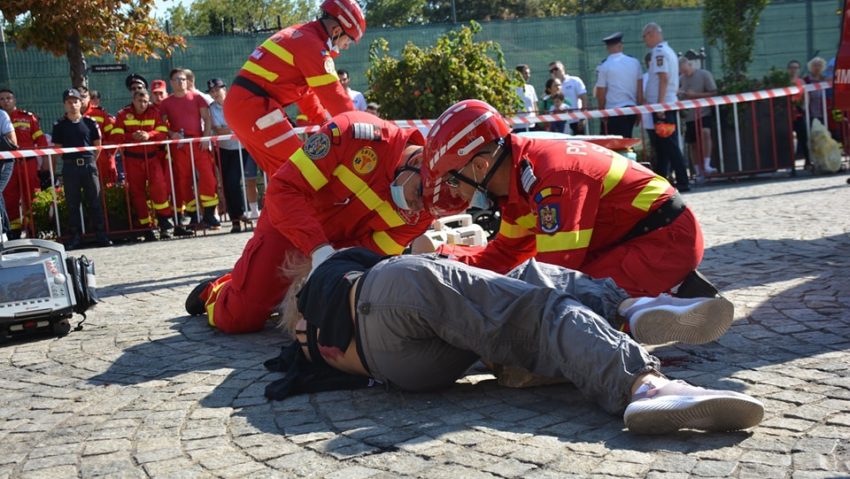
[
  {"x": 646, "y": 119},
  {"x": 572, "y": 87},
  {"x": 619, "y": 73},
  {"x": 529, "y": 100},
  {"x": 664, "y": 60},
  {"x": 358, "y": 99}
]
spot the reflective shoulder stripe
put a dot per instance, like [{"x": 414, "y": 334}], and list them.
[
  {"x": 368, "y": 196},
  {"x": 20, "y": 124},
  {"x": 321, "y": 80},
  {"x": 528, "y": 221},
  {"x": 116, "y": 131},
  {"x": 564, "y": 241},
  {"x": 387, "y": 243},
  {"x": 619, "y": 165},
  {"x": 647, "y": 196},
  {"x": 259, "y": 71},
  {"x": 131, "y": 122},
  {"x": 308, "y": 169},
  {"x": 98, "y": 119},
  {"x": 37, "y": 134},
  {"x": 162, "y": 128},
  {"x": 107, "y": 128},
  {"x": 278, "y": 51},
  {"x": 513, "y": 231}
]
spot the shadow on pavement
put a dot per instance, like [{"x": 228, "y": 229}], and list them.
[{"x": 123, "y": 289}]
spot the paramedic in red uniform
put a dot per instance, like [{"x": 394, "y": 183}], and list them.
[
  {"x": 140, "y": 122},
  {"x": 355, "y": 183},
  {"x": 186, "y": 112},
  {"x": 569, "y": 203},
  {"x": 295, "y": 65},
  {"x": 24, "y": 182},
  {"x": 106, "y": 167}
]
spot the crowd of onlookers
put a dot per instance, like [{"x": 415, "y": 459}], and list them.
[{"x": 191, "y": 185}]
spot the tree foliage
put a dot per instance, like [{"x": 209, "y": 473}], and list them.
[
  {"x": 398, "y": 13},
  {"x": 422, "y": 83},
  {"x": 216, "y": 17},
  {"x": 731, "y": 25},
  {"x": 88, "y": 28}
]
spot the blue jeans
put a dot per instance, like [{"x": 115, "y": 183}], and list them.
[{"x": 6, "y": 168}]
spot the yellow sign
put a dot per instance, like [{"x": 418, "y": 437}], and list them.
[{"x": 365, "y": 160}]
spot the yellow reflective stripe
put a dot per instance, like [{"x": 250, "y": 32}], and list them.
[
  {"x": 37, "y": 134},
  {"x": 321, "y": 80},
  {"x": 368, "y": 196},
  {"x": 528, "y": 221},
  {"x": 647, "y": 196},
  {"x": 278, "y": 51},
  {"x": 132, "y": 122},
  {"x": 116, "y": 131},
  {"x": 209, "y": 200},
  {"x": 386, "y": 243},
  {"x": 144, "y": 221},
  {"x": 162, "y": 128},
  {"x": 16, "y": 224},
  {"x": 619, "y": 165},
  {"x": 98, "y": 119},
  {"x": 513, "y": 231},
  {"x": 20, "y": 124},
  {"x": 149, "y": 122},
  {"x": 160, "y": 206},
  {"x": 259, "y": 71},
  {"x": 308, "y": 169},
  {"x": 107, "y": 128},
  {"x": 563, "y": 241},
  {"x": 212, "y": 299}
]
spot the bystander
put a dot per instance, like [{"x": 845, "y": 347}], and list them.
[
  {"x": 575, "y": 94},
  {"x": 695, "y": 83},
  {"x": 618, "y": 84}
]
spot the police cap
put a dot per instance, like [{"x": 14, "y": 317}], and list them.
[
  {"x": 135, "y": 78},
  {"x": 613, "y": 38}
]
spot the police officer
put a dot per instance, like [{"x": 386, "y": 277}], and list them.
[{"x": 618, "y": 84}]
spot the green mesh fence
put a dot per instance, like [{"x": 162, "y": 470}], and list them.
[{"x": 788, "y": 30}]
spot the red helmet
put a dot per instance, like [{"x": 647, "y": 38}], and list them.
[
  {"x": 349, "y": 15},
  {"x": 664, "y": 130},
  {"x": 457, "y": 135}
]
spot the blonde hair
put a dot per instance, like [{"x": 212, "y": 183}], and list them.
[
  {"x": 295, "y": 267},
  {"x": 816, "y": 61}
]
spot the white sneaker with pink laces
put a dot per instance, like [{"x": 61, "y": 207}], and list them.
[
  {"x": 665, "y": 318},
  {"x": 679, "y": 405}
]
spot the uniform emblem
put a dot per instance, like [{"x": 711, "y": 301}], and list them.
[
  {"x": 550, "y": 217},
  {"x": 130, "y": 116},
  {"x": 365, "y": 160},
  {"x": 366, "y": 131},
  {"x": 548, "y": 192},
  {"x": 659, "y": 60},
  {"x": 329, "y": 66},
  {"x": 317, "y": 146},
  {"x": 336, "y": 133}
]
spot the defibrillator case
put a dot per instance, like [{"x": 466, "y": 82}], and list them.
[{"x": 36, "y": 290}]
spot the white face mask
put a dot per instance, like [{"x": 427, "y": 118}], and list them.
[
  {"x": 479, "y": 199},
  {"x": 397, "y": 193}
]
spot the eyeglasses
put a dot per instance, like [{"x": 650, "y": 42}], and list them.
[{"x": 553, "y": 69}]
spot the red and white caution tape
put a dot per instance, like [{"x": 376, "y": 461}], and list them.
[{"x": 515, "y": 120}]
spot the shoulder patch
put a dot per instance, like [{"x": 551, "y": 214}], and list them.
[
  {"x": 317, "y": 146},
  {"x": 365, "y": 161},
  {"x": 549, "y": 217},
  {"x": 659, "y": 60},
  {"x": 366, "y": 131},
  {"x": 547, "y": 192},
  {"x": 336, "y": 133},
  {"x": 329, "y": 66}
]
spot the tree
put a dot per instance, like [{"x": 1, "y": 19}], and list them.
[
  {"x": 394, "y": 13},
  {"x": 731, "y": 25},
  {"x": 216, "y": 17},
  {"x": 88, "y": 27},
  {"x": 424, "y": 82}
]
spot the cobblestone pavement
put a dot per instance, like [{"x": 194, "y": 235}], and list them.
[{"x": 144, "y": 391}]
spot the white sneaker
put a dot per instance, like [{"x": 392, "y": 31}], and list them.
[
  {"x": 709, "y": 170},
  {"x": 679, "y": 405},
  {"x": 666, "y": 318}
]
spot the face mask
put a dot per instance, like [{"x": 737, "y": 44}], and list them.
[
  {"x": 479, "y": 199},
  {"x": 397, "y": 193}
]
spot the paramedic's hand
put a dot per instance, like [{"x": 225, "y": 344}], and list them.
[{"x": 319, "y": 256}]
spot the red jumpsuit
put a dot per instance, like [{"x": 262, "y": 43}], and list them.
[
  {"x": 337, "y": 191},
  {"x": 583, "y": 203},
  {"x": 24, "y": 182},
  {"x": 143, "y": 164},
  {"x": 184, "y": 113},
  {"x": 106, "y": 168},
  {"x": 292, "y": 66}
]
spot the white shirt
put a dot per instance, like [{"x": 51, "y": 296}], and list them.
[
  {"x": 646, "y": 119},
  {"x": 619, "y": 73},
  {"x": 529, "y": 100},
  {"x": 664, "y": 60},
  {"x": 5, "y": 123},
  {"x": 572, "y": 87},
  {"x": 358, "y": 99}
]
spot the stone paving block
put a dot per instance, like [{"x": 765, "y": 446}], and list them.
[
  {"x": 58, "y": 472},
  {"x": 395, "y": 462},
  {"x": 50, "y": 462},
  {"x": 353, "y": 472},
  {"x": 714, "y": 468}
]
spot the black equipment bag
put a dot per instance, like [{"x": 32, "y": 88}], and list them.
[{"x": 81, "y": 274}]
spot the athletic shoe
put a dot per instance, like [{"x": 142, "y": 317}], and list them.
[
  {"x": 695, "y": 285},
  {"x": 665, "y": 318},
  {"x": 679, "y": 405},
  {"x": 196, "y": 302}
]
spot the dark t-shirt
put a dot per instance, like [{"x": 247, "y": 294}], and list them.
[
  {"x": 70, "y": 134},
  {"x": 323, "y": 301}
]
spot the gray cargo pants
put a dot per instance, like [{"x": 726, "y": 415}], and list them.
[{"x": 424, "y": 320}]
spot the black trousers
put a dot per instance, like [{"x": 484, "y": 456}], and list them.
[
  {"x": 82, "y": 180},
  {"x": 231, "y": 176},
  {"x": 621, "y": 125},
  {"x": 667, "y": 154}
]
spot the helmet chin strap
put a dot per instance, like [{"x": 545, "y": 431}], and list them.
[{"x": 502, "y": 151}]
